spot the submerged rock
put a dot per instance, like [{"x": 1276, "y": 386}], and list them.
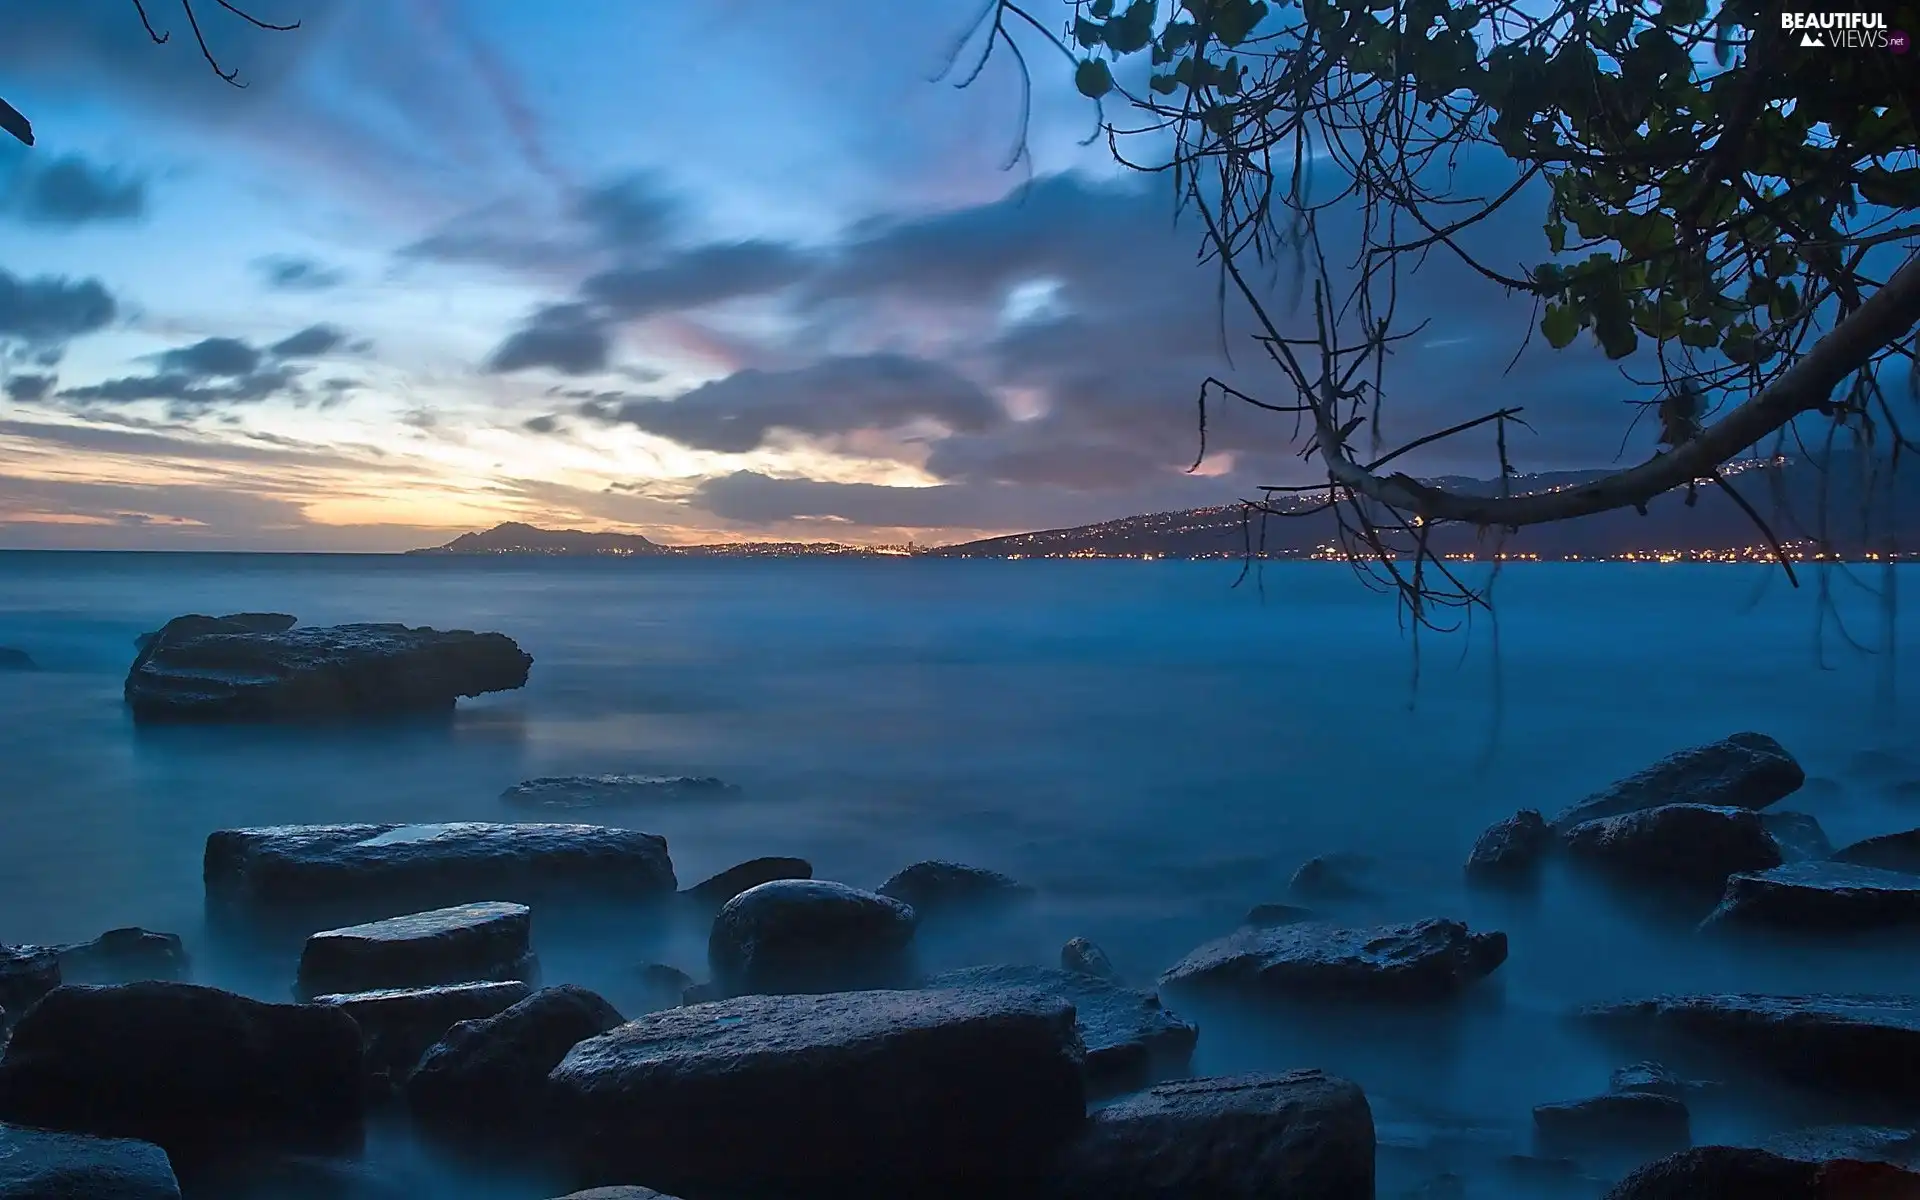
[
  {"x": 809, "y": 935},
  {"x": 38, "y": 1164},
  {"x": 871, "y": 1090},
  {"x": 494, "y": 1070},
  {"x": 607, "y": 791},
  {"x": 1889, "y": 852},
  {"x": 1083, "y": 956},
  {"x": 26, "y": 974},
  {"x": 1510, "y": 851},
  {"x": 1819, "y": 897},
  {"x": 231, "y": 623},
  {"x": 936, "y": 886},
  {"x": 187, "y": 1067},
  {"x": 1739, "y": 1173},
  {"x": 382, "y": 865},
  {"x": 1799, "y": 834},
  {"x": 125, "y": 955},
  {"x": 1868, "y": 1045},
  {"x": 16, "y": 660},
  {"x": 397, "y": 1025},
  {"x": 1746, "y": 770},
  {"x": 1677, "y": 844},
  {"x": 1432, "y": 959},
  {"x": 1243, "y": 1137},
  {"x": 1332, "y": 877},
  {"x": 207, "y": 669},
  {"x": 666, "y": 985},
  {"x": 714, "y": 892},
  {"x": 1265, "y": 916},
  {"x": 1642, "y": 1121},
  {"x": 470, "y": 943},
  {"x": 1130, "y": 1040}
]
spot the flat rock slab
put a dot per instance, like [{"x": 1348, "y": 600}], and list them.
[
  {"x": 434, "y": 864},
  {"x": 1868, "y": 1143},
  {"x": 469, "y": 943},
  {"x": 26, "y": 974},
  {"x": 1840, "y": 1043},
  {"x": 249, "y": 622},
  {"x": 1824, "y": 897},
  {"x": 617, "y": 1193},
  {"x": 1889, "y": 852},
  {"x": 714, "y": 892},
  {"x": 612, "y": 791},
  {"x": 190, "y": 1068},
  {"x": 1130, "y": 1039},
  {"x": 399, "y": 1024},
  {"x": 494, "y": 1070},
  {"x": 1677, "y": 844},
  {"x": 881, "y": 1089},
  {"x": 207, "y": 669},
  {"x": 1740, "y": 1173},
  {"x": 36, "y": 1164},
  {"x": 937, "y": 886},
  {"x": 1245, "y": 1137},
  {"x": 1746, "y": 770},
  {"x": 795, "y": 935},
  {"x": 1426, "y": 960}
]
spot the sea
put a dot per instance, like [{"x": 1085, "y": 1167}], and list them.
[{"x": 1154, "y": 746}]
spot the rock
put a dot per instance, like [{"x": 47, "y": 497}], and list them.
[
  {"x": 1867, "y": 1045},
  {"x": 1889, "y": 852},
  {"x": 1510, "y": 851},
  {"x": 809, "y": 935},
  {"x": 1643, "y": 1121},
  {"x": 26, "y": 974},
  {"x": 1265, "y": 916},
  {"x": 607, "y": 791},
  {"x": 703, "y": 993},
  {"x": 37, "y": 1164},
  {"x": 1676, "y": 844},
  {"x": 16, "y": 660},
  {"x": 494, "y": 1070},
  {"x": 471, "y": 943},
  {"x": 1245, "y": 1137},
  {"x": 1819, "y": 896},
  {"x": 397, "y": 1025},
  {"x": 617, "y": 1193},
  {"x": 231, "y": 623},
  {"x": 123, "y": 956},
  {"x": 188, "y": 1067},
  {"x": 666, "y": 985},
  {"x": 1867, "y": 1143},
  {"x": 714, "y": 892},
  {"x": 206, "y": 669},
  {"x": 1130, "y": 1040},
  {"x": 385, "y": 865},
  {"x": 936, "y": 886},
  {"x": 1747, "y": 770},
  {"x": 1427, "y": 960},
  {"x": 1648, "y": 1077},
  {"x": 1799, "y": 834},
  {"x": 1331, "y": 877},
  {"x": 1083, "y": 956},
  {"x": 870, "y": 1090},
  {"x": 1737, "y": 1173}
]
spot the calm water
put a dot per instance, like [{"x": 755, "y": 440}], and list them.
[{"x": 1152, "y": 749}]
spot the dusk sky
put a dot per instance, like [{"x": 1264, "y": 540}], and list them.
[{"x": 709, "y": 271}]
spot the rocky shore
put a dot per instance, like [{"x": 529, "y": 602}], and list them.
[{"x": 812, "y": 1057}]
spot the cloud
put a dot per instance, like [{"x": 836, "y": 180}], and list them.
[
  {"x": 627, "y": 218},
  {"x": 548, "y": 423},
  {"x": 569, "y": 338},
  {"x": 25, "y": 389},
  {"x": 215, "y": 356},
  {"x": 835, "y": 395},
  {"x": 51, "y": 310},
  {"x": 221, "y": 371},
  {"x": 311, "y": 342},
  {"x": 290, "y": 273},
  {"x": 68, "y": 190},
  {"x": 187, "y": 392},
  {"x": 697, "y": 277}
]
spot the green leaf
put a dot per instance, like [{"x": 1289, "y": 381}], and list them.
[
  {"x": 1093, "y": 78},
  {"x": 1699, "y": 337},
  {"x": 1166, "y": 85},
  {"x": 1087, "y": 33},
  {"x": 1102, "y": 9},
  {"x": 1556, "y": 236},
  {"x": 1133, "y": 29},
  {"x": 1560, "y": 326}
]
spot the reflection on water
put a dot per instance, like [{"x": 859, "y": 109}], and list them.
[{"x": 1154, "y": 751}]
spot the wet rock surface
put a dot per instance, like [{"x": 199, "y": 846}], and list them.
[
  {"x": 369, "y": 865},
  {"x": 1799, "y": 834},
  {"x": 397, "y": 1025},
  {"x": 1244, "y": 1137},
  {"x": 1746, "y": 770},
  {"x": 1433, "y": 959},
  {"x": 1889, "y": 852},
  {"x": 1332, "y": 877},
  {"x": 494, "y": 1070},
  {"x": 1266, "y": 916},
  {"x": 247, "y": 622},
  {"x": 1648, "y": 1077},
  {"x": 1637, "y": 1121},
  {"x": 1129, "y": 1037},
  {"x": 714, "y": 892},
  {"x": 188, "y": 1067},
  {"x": 612, "y": 791},
  {"x": 1677, "y": 844},
  {"x": 1510, "y": 851},
  {"x": 1829, "y": 897},
  {"x": 809, "y": 935},
  {"x": 875, "y": 1091},
  {"x": 1083, "y": 956},
  {"x": 1868, "y": 1143},
  {"x": 937, "y": 886},
  {"x": 1739, "y": 1173},
  {"x": 37, "y": 1164},
  {"x": 468, "y": 943},
  {"x": 1869, "y": 1045},
  {"x": 617, "y": 1193},
  {"x": 125, "y": 955},
  {"x": 26, "y": 974},
  {"x": 207, "y": 669}
]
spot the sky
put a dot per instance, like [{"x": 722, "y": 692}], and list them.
[{"x": 736, "y": 269}]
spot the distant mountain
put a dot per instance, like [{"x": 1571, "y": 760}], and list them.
[{"x": 515, "y": 538}]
